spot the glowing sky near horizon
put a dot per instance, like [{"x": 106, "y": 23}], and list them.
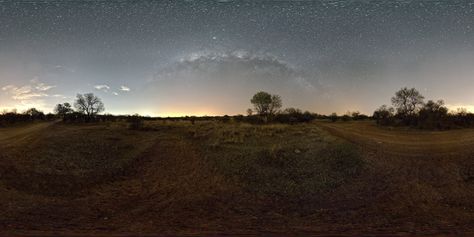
[{"x": 173, "y": 58}]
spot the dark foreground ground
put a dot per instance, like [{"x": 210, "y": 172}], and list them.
[{"x": 213, "y": 178}]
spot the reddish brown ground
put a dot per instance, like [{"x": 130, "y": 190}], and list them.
[{"x": 416, "y": 183}]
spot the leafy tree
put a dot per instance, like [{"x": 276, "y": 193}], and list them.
[
  {"x": 266, "y": 104},
  {"x": 89, "y": 104},
  {"x": 275, "y": 105},
  {"x": 34, "y": 114},
  {"x": 384, "y": 115},
  {"x": 63, "y": 109},
  {"x": 433, "y": 115},
  {"x": 407, "y": 102}
]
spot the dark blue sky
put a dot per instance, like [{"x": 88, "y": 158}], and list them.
[{"x": 209, "y": 57}]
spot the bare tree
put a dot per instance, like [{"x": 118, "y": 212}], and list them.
[
  {"x": 249, "y": 112},
  {"x": 275, "y": 105},
  {"x": 407, "y": 102},
  {"x": 89, "y": 104}
]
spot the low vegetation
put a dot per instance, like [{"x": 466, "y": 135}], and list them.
[
  {"x": 301, "y": 165},
  {"x": 65, "y": 158}
]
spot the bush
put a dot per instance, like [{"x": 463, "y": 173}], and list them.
[
  {"x": 135, "y": 122},
  {"x": 225, "y": 119},
  {"x": 239, "y": 118},
  {"x": 346, "y": 118},
  {"x": 384, "y": 115},
  {"x": 30, "y": 115},
  {"x": 293, "y": 116},
  {"x": 74, "y": 117},
  {"x": 333, "y": 117}
]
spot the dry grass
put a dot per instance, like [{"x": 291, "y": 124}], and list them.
[{"x": 212, "y": 178}]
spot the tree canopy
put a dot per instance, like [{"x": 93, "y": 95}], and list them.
[
  {"x": 266, "y": 104},
  {"x": 89, "y": 104}
]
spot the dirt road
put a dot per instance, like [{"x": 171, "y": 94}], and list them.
[
  {"x": 19, "y": 134},
  {"x": 404, "y": 142}
]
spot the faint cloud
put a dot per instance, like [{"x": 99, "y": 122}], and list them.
[
  {"x": 124, "y": 88},
  {"x": 35, "y": 90},
  {"x": 30, "y": 95},
  {"x": 43, "y": 87},
  {"x": 63, "y": 69},
  {"x": 104, "y": 88},
  {"x": 115, "y": 93}
]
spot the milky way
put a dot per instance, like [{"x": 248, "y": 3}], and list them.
[{"x": 209, "y": 57}]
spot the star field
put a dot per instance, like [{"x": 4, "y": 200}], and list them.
[{"x": 336, "y": 55}]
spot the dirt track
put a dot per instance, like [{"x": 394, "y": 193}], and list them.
[
  {"x": 20, "y": 134},
  {"x": 424, "y": 172},
  {"x": 404, "y": 142}
]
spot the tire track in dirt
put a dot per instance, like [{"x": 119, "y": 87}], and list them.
[
  {"x": 8, "y": 136},
  {"x": 422, "y": 171}
]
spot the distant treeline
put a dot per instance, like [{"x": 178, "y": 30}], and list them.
[
  {"x": 410, "y": 109},
  {"x": 29, "y": 115}
]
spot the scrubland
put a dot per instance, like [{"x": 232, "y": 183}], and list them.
[{"x": 174, "y": 177}]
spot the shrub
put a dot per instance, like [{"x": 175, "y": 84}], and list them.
[
  {"x": 225, "y": 118},
  {"x": 293, "y": 115},
  {"x": 433, "y": 115},
  {"x": 239, "y": 118},
  {"x": 333, "y": 117},
  {"x": 135, "y": 122},
  {"x": 384, "y": 115}
]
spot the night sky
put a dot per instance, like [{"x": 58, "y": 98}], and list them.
[{"x": 168, "y": 58}]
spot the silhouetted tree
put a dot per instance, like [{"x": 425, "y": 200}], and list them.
[
  {"x": 266, "y": 104},
  {"x": 346, "y": 117},
  {"x": 249, "y": 112},
  {"x": 63, "y": 109},
  {"x": 462, "y": 118},
  {"x": 356, "y": 115},
  {"x": 384, "y": 115},
  {"x": 34, "y": 114},
  {"x": 407, "y": 102},
  {"x": 89, "y": 104},
  {"x": 433, "y": 115}
]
